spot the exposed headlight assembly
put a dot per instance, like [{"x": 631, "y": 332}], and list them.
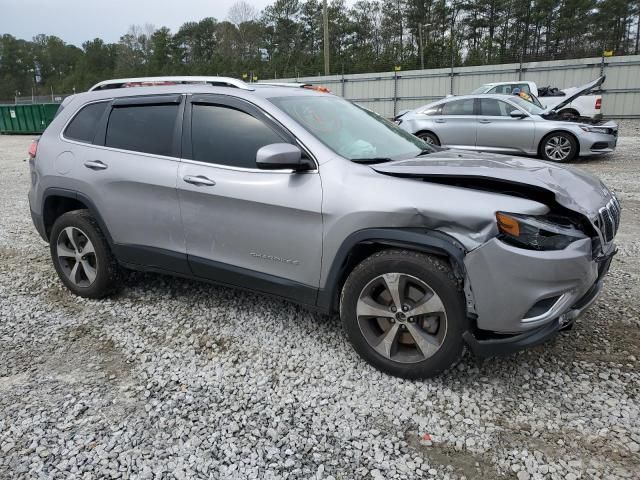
[
  {"x": 604, "y": 130},
  {"x": 536, "y": 232}
]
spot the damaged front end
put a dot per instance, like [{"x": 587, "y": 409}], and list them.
[{"x": 538, "y": 272}]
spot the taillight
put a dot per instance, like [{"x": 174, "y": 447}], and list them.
[
  {"x": 33, "y": 148},
  {"x": 598, "y": 103}
]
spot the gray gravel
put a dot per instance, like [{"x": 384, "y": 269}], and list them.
[{"x": 176, "y": 379}]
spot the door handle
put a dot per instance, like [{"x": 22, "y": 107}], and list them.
[
  {"x": 440, "y": 120},
  {"x": 484, "y": 120},
  {"x": 199, "y": 180},
  {"x": 95, "y": 165}
]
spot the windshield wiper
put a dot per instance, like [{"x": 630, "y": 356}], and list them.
[
  {"x": 426, "y": 151},
  {"x": 372, "y": 160}
]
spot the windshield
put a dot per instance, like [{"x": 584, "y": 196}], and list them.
[
  {"x": 479, "y": 90},
  {"x": 351, "y": 131},
  {"x": 527, "y": 105},
  {"x": 535, "y": 100}
]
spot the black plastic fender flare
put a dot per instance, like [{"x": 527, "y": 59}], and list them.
[
  {"x": 93, "y": 210},
  {"x": 418, "y": 239}
]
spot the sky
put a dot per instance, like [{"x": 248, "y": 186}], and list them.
[{"x": 76, "y": 21}]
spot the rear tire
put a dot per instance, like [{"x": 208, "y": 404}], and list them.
[
  {"x": 81, "y": 255},
  {"x": 558, "y": 147},
  {"x": 416, "y": 333},
  {"x": 429, "y": 138}
]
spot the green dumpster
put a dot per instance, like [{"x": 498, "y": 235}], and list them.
[{"x": 26, "y": 118}]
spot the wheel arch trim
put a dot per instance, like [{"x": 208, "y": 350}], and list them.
[
  {"x": 421, "y": 240},
  {"x": 559, "y": 130},
  {"x": 93, "y": 210}
]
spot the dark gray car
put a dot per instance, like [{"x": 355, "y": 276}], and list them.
[{"x": 303, "y": 195}]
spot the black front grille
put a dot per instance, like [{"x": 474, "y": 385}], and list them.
[
  {"x": 608, "y": 220},
  {"x": 600, "y": 146}
]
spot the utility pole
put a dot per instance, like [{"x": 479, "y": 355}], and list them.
[
  {"x": 325, "y": 22},
  {"x": 421, "y": 47},
  {"x": 453, "y": 22},
  {"x": 420, "y": 27}
]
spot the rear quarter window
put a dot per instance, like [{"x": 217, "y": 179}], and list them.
[{"x": 83, "y": 126}]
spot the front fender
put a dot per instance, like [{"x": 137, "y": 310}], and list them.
[{"x": 419, "y": 239}]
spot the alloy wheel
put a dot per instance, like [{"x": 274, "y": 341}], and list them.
[
  {"x": 76, "y": 256},
  {"x": 401, "y": 317},
  {"x": 558, "y": 148}
]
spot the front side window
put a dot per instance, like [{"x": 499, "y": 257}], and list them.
[
  {"x": 227, "y": 136},
  {"x": 349, "y": 130},
  {"x": 527, "y": 106},
  {"x": 495, "y": 108},
  {"x": 83, "y": 126},
  {"x": 143, "y": 128},
  {"x": 458, "y": 107}
]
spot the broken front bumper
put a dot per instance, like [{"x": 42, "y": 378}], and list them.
[
  {"x": 516, "y": 290},
  {"x": 488, "y": 347},
  {"x": 570, "y": 277}
]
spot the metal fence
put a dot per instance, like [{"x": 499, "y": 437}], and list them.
[
  {"x": 34, "y": 99},
  {"x": 391, "y": 92}
]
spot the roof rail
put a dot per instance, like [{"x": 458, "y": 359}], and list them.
[
  {"x": 284, "y": 84},
  {"x": 150, "y": 81},
  {"x": 308, "y": 86}
]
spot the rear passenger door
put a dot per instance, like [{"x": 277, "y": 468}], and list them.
[
  {"x": 498, "y": 131},
  {"x": 245, "y": 226},
  {"x": 129, "y": 171},
  {"x": 456, "y": 124}
]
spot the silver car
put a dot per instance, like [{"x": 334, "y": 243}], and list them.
[
  {"x": 303, "y": 195},
  {"x": 509, "y": 124}
]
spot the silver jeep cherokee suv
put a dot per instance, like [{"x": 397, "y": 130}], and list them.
[{"x": 301, "y": 194}]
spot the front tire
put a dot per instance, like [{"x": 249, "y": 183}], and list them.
[
  {"x": 403, "y": 312},
  {"x": 81, "y": 255},
  {"x": 558, "y": 147}
]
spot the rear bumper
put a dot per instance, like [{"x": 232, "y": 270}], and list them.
[{"x": 38, "y": 222}]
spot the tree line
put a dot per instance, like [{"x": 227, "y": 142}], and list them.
[{"x": 286, "y": 40}]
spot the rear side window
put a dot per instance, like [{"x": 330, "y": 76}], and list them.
[
  {"x": 458, "y": 107},
  {"x": 143, "y": 128},
  {"x": 226, "y": 136},
  {"x": 84, "y": 124}
]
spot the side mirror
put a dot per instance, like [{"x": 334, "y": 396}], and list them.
[
  {"x": 281, "y": 156},
  {"x": 517, "y": 114}
]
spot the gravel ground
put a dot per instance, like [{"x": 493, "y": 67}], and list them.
[{"x": 177, "y": 379}]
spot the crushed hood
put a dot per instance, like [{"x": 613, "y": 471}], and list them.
[
  {"x": 572, "y": 188},
  {"x": 573, "y": 93}
]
